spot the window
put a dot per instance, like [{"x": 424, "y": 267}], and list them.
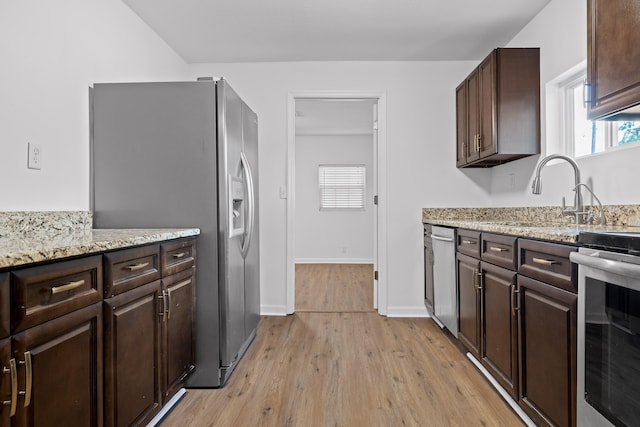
[
  {"x": 584, "y": 137},
  {"x": 341, "y": 187}
]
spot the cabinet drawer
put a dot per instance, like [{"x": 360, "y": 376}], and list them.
[
  {"x": 468, "y": 242},
  {"x": 45, "y": 292},
  {"x": 499, "y": 250},
  {"x": 548, "y": 263},
  {"x": 177, "y": 256},
  {"x": 130, "y": 268}
]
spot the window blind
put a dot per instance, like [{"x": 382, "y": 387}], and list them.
[{"x": 341, "y": 186}]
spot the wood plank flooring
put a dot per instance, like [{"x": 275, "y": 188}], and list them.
[
  {"x": 334, "y": 287},
  {"x": 348, "y": 369}
]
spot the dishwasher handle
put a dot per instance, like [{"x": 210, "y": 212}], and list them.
[{"x": 442, "y": 239}]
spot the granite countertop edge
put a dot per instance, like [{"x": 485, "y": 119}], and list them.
[
  {"x": 559, "y": 233},
  {"x": 20, "y": 249}
]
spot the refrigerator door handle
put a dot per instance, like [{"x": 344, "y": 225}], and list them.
[{"x": 250, "y": 204}]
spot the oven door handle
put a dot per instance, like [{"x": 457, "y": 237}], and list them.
[{"x": 607, "y": 265}]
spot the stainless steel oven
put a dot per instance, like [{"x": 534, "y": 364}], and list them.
[{"x": 608, "y": 366}]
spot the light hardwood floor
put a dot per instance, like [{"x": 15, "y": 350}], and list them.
[
  {"x": 334, "y": 287},
  {"x": 348, "y": 369}
]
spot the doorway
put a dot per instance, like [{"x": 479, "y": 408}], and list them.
[{"x": 325, "y": 129}]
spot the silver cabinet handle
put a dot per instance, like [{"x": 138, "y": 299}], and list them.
[
  {"x": 64, "y": 288},
  {"x": 179, "y": 255},
  {"x": 13, "y": 372},
  {"x": 28, "y": 373},
  {"x": 137, "y": 267},
  {"x": 543, "y": 261},
  {"x": 469, "y": 242},
  {"x": 163, "y": 298},
  {"x": 514, "y": 295},
  {"x": 496, "y": 249}
]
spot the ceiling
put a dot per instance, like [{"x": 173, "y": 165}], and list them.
[{"x": 205, "y": 31}]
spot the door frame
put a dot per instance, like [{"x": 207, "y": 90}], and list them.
[{"x": 380, "y": 158}]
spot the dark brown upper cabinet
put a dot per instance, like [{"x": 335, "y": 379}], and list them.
[
  {"x": 498, "y": 109},
  {"x": 613, "y": 73}
]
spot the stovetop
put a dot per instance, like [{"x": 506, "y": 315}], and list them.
[{"x": 624, "y": 242}]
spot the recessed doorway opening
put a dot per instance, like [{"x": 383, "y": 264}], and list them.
[{"x": 333, "y": 237}]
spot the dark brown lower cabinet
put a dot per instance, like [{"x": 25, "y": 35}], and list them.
[
  {"x": 59, "y": 369},
  {"x": 548, "y": 353},
  {"x": 500, "y": 326},
  {"x": 5, "y": 382},
  {"x": 178, "y": 349},
  {"x": 132, "y": 355},
  {"x": 469, "y": 309}
]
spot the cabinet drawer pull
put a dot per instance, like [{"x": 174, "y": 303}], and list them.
[
  {"x": 13, "y": 372},
  {"x": 162, "y": 297},
  {"x": 477, "y": 280},
  {"x": 168, "y": 304},
  {"x": 137, "y": 266},
  {"x": 64, "y": 288},
  {"x": 543, "y": 261},
  {"x": 469, "y": 242},
  {"x": 495, "y": 249},
  {"x": 179, "y": 255},
  {"x": 514, "y": 295},
  {"x": 29, "y": 378}
]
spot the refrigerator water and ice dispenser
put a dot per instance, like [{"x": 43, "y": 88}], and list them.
[{"x": 236, "y": 204}]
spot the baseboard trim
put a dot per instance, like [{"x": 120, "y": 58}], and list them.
[
  {"x": 507, "y": 398},
  {"x": 167, "y": 407},
  {"x": 273, "y": 310},
  {"x": 407, "y": 312}
]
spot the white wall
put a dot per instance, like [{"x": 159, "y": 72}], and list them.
[
  {"x": 321, "y": 236},
  {"x": 420, "y": 157},
  {"x": 560, "y": 30},
  {"x": 51, "y": 52}
]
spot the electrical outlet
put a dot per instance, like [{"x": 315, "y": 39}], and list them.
[
  {"x": 34, "y": 158},
  {"x": 343, "y": 249}
]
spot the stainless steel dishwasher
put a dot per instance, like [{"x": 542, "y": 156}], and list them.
[
  {"x": 445, "y": 293},
  {"x": 428, "y": 269}
]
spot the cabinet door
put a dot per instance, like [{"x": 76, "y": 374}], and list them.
[
  {"x": 613, "y": 57},
  {"x": 4, "y": 305},
  {"x": 487, "y": 104},
  {"x": 6, "y": 380},
  {"x": 547, "y": 329},
  {"x": 60, "y": 371},
  {"x": 469, "y": 303},
  {"x": 177, "y": 333},
  {"x": 500, "y": 326},
  {"x": 461, "y": 124},
  {"x": 132, "y": 356},
  {"x": 473, "y": 125}
]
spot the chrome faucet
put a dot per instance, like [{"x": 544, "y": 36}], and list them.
[{"x": 578, "y": 206}]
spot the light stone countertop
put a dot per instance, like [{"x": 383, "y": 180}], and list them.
[
  {"x": 20, "y": 248},
  {"x": 543, "y": 223}
]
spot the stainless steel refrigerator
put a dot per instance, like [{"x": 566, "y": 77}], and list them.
[{"x": 185, "y": 154}]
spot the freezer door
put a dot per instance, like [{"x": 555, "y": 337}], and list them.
[
  {"x": 232, "y": 202},
  {"x": 252, "y": 256}
]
